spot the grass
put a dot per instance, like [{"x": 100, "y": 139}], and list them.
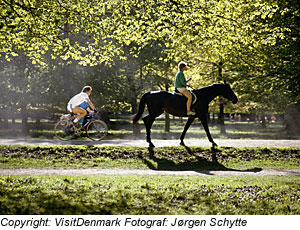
[
  {"x": 165, "y": 158},
  {"x": 146, "y": 195},
  {"x": 136, "y": 195}
]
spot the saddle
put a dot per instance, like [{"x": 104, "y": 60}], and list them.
[{"x": 176, "y": 92}]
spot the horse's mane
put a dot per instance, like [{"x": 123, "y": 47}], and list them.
[{"x": 209, "y": 87}]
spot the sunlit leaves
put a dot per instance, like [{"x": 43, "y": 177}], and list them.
[{"x": 76, "y": 26}]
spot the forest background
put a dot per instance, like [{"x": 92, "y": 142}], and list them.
[{"x": 50, "y": 49}]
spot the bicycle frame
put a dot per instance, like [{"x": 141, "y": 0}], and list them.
[
  {"x": 91, "y": 119},
  {"x": 95, "y": 128}
]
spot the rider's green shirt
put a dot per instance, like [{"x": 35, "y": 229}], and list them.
[{"x": 180, "y": 81}]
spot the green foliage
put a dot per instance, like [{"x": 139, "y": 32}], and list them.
[
  {"x": 215, "y": 28},
  {"x": 252, "y": 44},
  {"x": 124, "y": 81}
]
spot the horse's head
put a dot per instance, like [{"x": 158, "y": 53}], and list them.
[{"x": 228, "y": 93}]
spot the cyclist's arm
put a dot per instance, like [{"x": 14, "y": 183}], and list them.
[{"x": 90, "y": 104}]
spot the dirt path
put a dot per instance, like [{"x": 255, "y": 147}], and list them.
[
  {"x": 85, "y": 172},
  {"x": 158, "y": 143}
]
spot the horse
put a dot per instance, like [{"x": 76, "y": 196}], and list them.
[{"x": 162, "y": 101}]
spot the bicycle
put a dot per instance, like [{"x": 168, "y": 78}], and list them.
[{"x": 66, "y": 129}]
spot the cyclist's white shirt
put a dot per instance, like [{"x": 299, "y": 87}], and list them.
[{"x": 77, "y": 100}]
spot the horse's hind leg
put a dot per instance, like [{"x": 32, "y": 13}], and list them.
[
  {"x": 148, "y": 121},
  {"x": 186, "y": 127}
]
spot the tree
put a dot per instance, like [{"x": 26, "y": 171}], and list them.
[
  {"x": 248, "y": 37},
  {"x": 267, "y": 74},
  {"x": 36, "y": 26},
  {"x": 23, "y": 84}
]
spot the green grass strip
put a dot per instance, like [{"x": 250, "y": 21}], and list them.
[
  {"x": 149, "y": 195},
  {"x": 166, "y": 158}
]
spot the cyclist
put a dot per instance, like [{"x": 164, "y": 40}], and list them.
[{"x": 80, "y": 104}]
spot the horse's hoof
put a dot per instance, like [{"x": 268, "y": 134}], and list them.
[
  {"x": 151, "y": 145},
  {"x": 182, "y": 143},
  {"x": 214, "y": 145}
]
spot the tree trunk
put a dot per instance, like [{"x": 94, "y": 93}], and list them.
[
  {"x": 221, "y": 105},
  {"x": 38, "y": 119},
  {"x": 25, "y": 129},
  {"x": 136, "y": 127},
  {"x": 134, "y": 109},
  {"x": 291, "y": 118},
  {"x": 67, "y": 76},
  {"x": 66, "y": 69},
  {"x": 167, "y": 122},
  {"x": 167, "y": 116},
  {"x": 263, "y": 121},
  {"x": 221, "y": 119}
]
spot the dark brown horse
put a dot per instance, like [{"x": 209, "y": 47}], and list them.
[{"x": 160, "y": 101}]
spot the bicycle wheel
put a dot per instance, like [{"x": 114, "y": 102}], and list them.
[
  {"x": 96, "y": 130},
  {"x": 64, "y": 130}
]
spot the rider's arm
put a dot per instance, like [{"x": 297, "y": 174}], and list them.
[{"x": 90, "y": 104}]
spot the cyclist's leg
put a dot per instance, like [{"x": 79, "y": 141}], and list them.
[
  {"x": 80, "y": 111},
  {"x": 84, "y": 105}
]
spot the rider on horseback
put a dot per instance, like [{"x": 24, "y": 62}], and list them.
[{"x": 181, "y": 84}]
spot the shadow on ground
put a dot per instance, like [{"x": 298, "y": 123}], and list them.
[{"x": 201, "y": 165}]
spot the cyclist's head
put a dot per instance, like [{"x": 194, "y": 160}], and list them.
[{"x": 86, "y": 89}]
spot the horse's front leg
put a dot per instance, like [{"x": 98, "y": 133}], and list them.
[
  {"x": 205, "y": 126},
  {"x": 186, "y": 127}
]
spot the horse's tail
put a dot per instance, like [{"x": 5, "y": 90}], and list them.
[{"x": 141, "y": 108}]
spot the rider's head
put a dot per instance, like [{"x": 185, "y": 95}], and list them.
[
  {"x": 181, "y": 65},
  {"x": 87, "y": 89}
]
